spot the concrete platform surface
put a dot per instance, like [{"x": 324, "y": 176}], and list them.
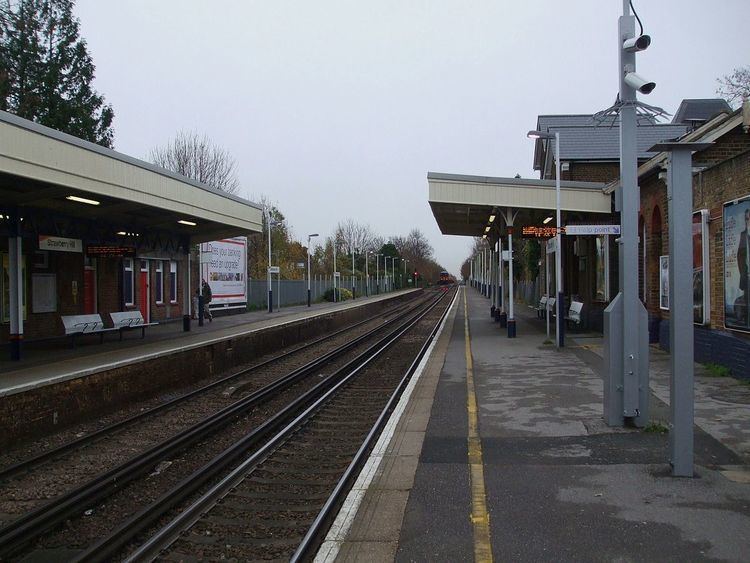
[{"x": 558, "y": 483}]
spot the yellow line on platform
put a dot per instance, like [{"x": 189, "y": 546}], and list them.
[{"x": 480, "y": 518}]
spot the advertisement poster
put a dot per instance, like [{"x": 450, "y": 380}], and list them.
[
  {"x": 224, "y": 267},
  {"x": 737, "y": 264},
  {"x": 664, "y": 282},
  {"x": 701, "y": 275}
]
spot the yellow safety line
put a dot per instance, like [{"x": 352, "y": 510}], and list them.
[{"x": 480, "y": 518}]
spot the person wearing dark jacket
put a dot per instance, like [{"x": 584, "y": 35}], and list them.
[{"x": 207, "y": 296}]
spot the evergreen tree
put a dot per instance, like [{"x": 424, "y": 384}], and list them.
[{"x": 46, "y": 71}]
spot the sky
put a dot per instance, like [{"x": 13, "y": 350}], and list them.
[{"x": 336, "y": 110}]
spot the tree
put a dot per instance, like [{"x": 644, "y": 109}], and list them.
[
  {"x": 198, "y": 158},
  {"x": 46, "y": 72},
  {"x": 735, "y": 87}
]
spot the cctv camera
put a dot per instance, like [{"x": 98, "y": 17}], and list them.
[
  {"x": 635, "y": 44},
  {"x": 639, "y": 83}
]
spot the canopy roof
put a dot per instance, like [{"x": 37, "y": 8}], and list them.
[
  {"x": 463, "y": 204},
  {"x": 41, "y": 167}
]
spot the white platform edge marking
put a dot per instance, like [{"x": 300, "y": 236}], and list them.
[{"x": 336, "y": 536}]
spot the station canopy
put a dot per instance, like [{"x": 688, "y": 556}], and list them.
[
  {"x": 40, "y": 169},
  {"x": 463, "y": 204}
]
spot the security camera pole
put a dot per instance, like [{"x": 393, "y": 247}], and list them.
[{"x": 626, "y": 389}]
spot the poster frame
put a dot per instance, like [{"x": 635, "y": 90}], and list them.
[{"x": 735, "y": 201}]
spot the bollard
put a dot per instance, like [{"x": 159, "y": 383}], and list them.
[
  {"x": 503, "y": 319},
  {"x": 186, "y": 323}
]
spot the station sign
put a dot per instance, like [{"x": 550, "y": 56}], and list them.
[
  {"x": 336, "y": 274},
  {"x": 60, "y": 244},
  {"x": 534, "y": 231},
  {"x": 583, "y": 230},
  {"x": 274, "y": 270},
  {"x": 110, "y": 251}
]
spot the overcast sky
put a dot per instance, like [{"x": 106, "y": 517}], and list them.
[{"x": 338, "y": 109}]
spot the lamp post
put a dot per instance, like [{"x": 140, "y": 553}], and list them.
[
  {"x": 367, "y": 273},
  {"x": 308, "y": 267},
  {"x": 270, "y": 286},
  {"x": 559, "y": 300},
  {"x": 354, "y": 289},
  {"x": 377, "y": 271},
  {"x": 393, "y": 272},
  {"x": 335, "y": 297},
  {"x": 403, "y": 276}
]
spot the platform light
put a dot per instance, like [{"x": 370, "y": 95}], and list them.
[
  {"x": 547, "y": 220},
  {"x": 188, "y": 223},
  {"x": 484, "y": 236},
  {"x": 82, "y": 200},
  {"x": 487, "y": 229},
  {"x": 127, "y": 234},
  {"x": 492, "y": 218}
]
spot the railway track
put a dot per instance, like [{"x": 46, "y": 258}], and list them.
[{"x": 87, "y": 511}]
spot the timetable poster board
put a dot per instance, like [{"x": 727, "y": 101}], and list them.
[
  {"x": 224, "y": 267},
  {"x": 664, "y": 283},
  {"x": 737, "y": 264},
  {"x": 701, "y": 275}
]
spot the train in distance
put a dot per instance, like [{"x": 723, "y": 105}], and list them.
[{"x": 446, "y": 280}]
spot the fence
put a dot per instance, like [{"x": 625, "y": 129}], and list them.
[{"x": 294, "y": 292}]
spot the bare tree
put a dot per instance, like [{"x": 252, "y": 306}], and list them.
[
  {"x": 196, "y": 157},
  {"x": 350, "y": 234},
  {"x": 735, "y": 87}
]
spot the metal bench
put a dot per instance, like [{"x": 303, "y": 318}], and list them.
[
  {"x": 551, "y": 309},
  {"x": 574, "y": 313},
  {"x": 541, "y": 307},
  {"x": 130, "y": 320},
  {"x": 75, "y": 325}
]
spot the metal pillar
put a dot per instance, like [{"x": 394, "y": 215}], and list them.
[
  {"x": 626, "y": 321},
  {"x": 546, "y": 285},
  {"x": 187, "y": 294},
  {"x": 15, "y": 277},
  {"x": 680, "y": 213},
  {"x": 560, "y": 300}
]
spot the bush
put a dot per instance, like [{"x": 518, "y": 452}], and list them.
[{"x": 344, "y": 294}]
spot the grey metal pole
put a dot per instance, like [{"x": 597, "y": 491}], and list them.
[
  {"x": 546, "y": 285},
  {"x": 377, "y": 272},
  {"x": 335, "y": 296},
  {"x": 560, "y": 301},
  {"x": 15, "y": 277},
  {"x": 511, "y": 316},
  {"x": 354, "y": 289},
  {"x": 270, "y": 286},
  {"x": 680, "y": 199},
  {"x": 309, "y": 294},
  {"x": 367, "y": 274},
  {"x": 502, "y": 273}
]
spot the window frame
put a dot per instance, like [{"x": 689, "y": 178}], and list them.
[
  {"x": 159, "y": 275},
  {"x": 128, "y": 269},
  {"x": 173, "y": 281}
]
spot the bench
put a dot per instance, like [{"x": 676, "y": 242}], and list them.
[
  {"x": 541, "y": 307},
  {"x": 574, "y": 313},
  {"x": 76, "y": 325},
  {"x": 551, "y": 309},
  {"x": 130, "y": 320}
]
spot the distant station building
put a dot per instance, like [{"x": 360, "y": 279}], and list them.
[{"x": 85, "y": 229}]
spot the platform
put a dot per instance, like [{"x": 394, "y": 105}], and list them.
[
  {"x": 57, "y": 386},
  {"x": 543, "y": 478}
]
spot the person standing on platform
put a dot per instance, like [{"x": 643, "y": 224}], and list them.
[
  {"x": 206, "y": 300},
  {"x": 743, "y": 264}
]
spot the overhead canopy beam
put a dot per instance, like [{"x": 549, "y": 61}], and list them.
[{"x": 40, "y": 166}]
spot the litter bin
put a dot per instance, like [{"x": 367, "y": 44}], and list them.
[{"x": 186, "y": 323}]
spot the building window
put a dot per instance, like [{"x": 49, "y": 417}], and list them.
[
  {"x": 159, "y": 282},
  {"x": 173, "y": 281},
  {"x": 601, "y": 291},
  {"x": 127, "y": 282}
]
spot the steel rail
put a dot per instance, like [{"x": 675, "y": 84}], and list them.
[
  {"x": 310, "y": 402},
  {"x": 33, "y": 524},
  {"x": 316, "y": 533},
  {"x": 29, "y": 463}
]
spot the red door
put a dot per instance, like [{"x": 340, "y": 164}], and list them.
[
  {"x": 144, "y": 291},
  {"x": 89, "y": 291}
]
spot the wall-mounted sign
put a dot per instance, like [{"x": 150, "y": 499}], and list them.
[
  {"x": 104, "y": 250},
  {"x": 224, "y": 266},
  {"x": 60, "y": 244},
  {"x": 737, "y": 264},
  {"x": 273, "y": 270},
  {"x": 701, "y": 269},
  {"x": 664, "y": 283},
  {"x": 552, "y": 246},
  {"x": 583, "y": 230},
  {"x": 533, "y": 231}
]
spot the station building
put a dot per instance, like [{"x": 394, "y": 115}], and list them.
[
  {"x": 86, "y": 229},
  {"x": 589, "y": 160}
]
